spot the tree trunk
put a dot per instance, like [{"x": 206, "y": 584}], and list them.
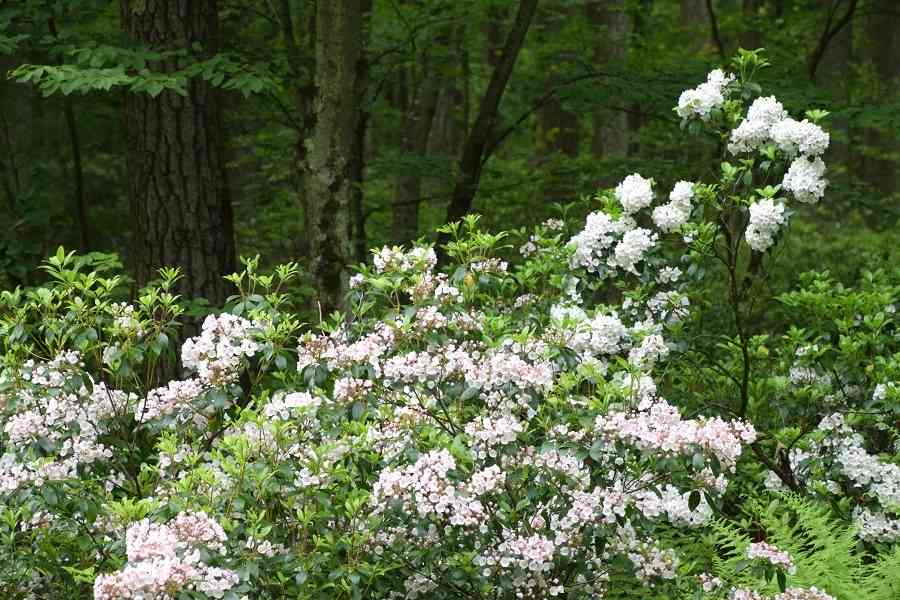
[
  {"x": 476, "y": 146},
  {"x": 610, "y": 127},
  {"x": 751, "y": 39},
  {"x": 358, "y": 161},
  {"x": 883, "y": 47},
  {"x": 558, "y": 126},
  {"x": 334, "y": 147},
  {"x": 833, "y": 68},
  {"x": 695, "y": 22},
  {"x": 694, "y": 13},
  {"x": 449, "y": 126},
  {"x": 417, "y": 121},
  {"x": 177, "y": 188}
]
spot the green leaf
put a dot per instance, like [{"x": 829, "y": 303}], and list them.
[{"x": 694, "y": 500}]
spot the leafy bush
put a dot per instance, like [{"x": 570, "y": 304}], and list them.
[{"x": 468, "y": 429}]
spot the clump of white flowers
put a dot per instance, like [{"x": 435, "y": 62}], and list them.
[
  {"x": 634, "y": 193},
  {"x": 766, "y": 216},
  {"x": 771, "y": 554},
  {"x": 799, "y": 137},
  {"x": 754, "y": 131},
  {"x": 802, "y": 142},
  {"x": 676, "y": 213},
  {"x": 805, "y": 179},
  {"x": 706, "y": 97},
  {"x": 632, "y": 249}
]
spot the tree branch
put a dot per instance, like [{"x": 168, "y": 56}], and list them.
[
  {"x": 714, "y": 25},
  {"x": 818, "y": 53},
  {"x": 470, "y": 164}
]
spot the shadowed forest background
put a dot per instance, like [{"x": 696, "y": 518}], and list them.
[{"x": 189, "y": 133}]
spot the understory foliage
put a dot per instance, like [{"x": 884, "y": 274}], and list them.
[{"x": 476, "y": 428}]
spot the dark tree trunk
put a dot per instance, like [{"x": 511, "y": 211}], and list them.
[
  {"x": 694, "y": 13},
  {"x": 358, "y": 158},
  {"x": 481, "y": 134},
  {"x": 177, "y": 187},
  {"x": 610, "y": 127},
  {"x": 835, "y": 61},
  {"x": 334, "y": 147},
  {"x": 883, "y": 48},
  {"x": 835, "y": 22},
  {"x": 558, "y": 126},
  {"x": 751, "y": 38},
  {"x": 420, "y": 104},
  {"x": 449, "y": 125}
]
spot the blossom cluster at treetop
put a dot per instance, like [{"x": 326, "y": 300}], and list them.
[{"x": 489, "y": 426}]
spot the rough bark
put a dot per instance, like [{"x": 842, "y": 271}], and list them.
[
  {"x": 610, "y": 127},
  {"x": 333, "y": 148},
  {"x": 180, "y": 207},
  {"x": 473, "y": 154}
]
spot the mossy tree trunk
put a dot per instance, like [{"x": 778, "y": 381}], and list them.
[{"x": 333, "y": 150}]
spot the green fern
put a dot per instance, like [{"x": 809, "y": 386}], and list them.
[
  {"x": 881, "y": 579},
  {"x": 826, "y": 552}
]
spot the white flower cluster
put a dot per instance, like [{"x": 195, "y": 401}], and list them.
[
  {"x": 805, "y": 179},
  {"x": 879, "y": 480},
  {"x": 62, "y": 416},
  {"x": 657, "y": 425},
  {"x": 395, "y": 259},
  {"x": 633, "y": 248},
  {"x": 489, "y": 432},
  {"x": 164, "y": 560},
  {"x": 754, "y": 131},
  {"x": 608, "y": 243},
  {"x": 706, "y": 97},
  {"x": 669, "y": 217},
  {"x": 802, "y": 141},
  {"x": 589, "y": 337},
  {"x": 215, "y": 355},
  {"x": 634, "y": 193},
  {"x": 792, "y": 593},
  {"x": 217, "y": 352},
  {"x": 674, "y": 504},
  {"x": 874, "y": 526},
  {"x": 799, "y": 137},
  {"x": 771, "y": 554},
  {"x": 651, "y": 350},
  {"x": 768, "y": 122},
  {"x": 283, "y": 406},
  {"x": 425, "y": 489},
  {"x": 766, "y": 217}
]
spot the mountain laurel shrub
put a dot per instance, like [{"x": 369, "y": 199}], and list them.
[{"x": 475, "y": 428}]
